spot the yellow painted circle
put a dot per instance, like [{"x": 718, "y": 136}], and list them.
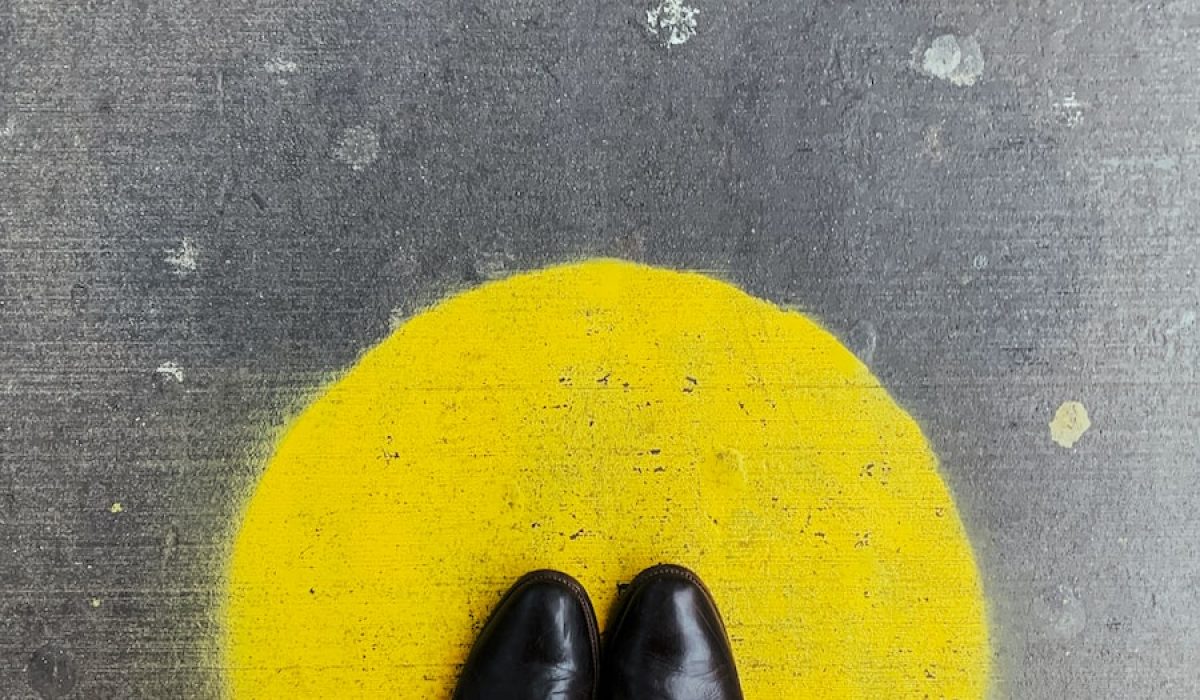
[{"x": 599, "y": 418}]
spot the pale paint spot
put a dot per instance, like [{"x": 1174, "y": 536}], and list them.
[
  {"x": 170, "y": 542},
  {"x": 1136, "y": 163},
  {"x": 933, "y": 143},
  {"x": 359, "y": 147},
  {"x": 397, "y": 317},
  {"x": 956, "y": 59},
  {"x": 183, "y": 258},
  {"x": 1070, "y": 423},
  {"x": 980, "y": 262},
  {"x": 862, "y": 340},
  {"x": 1183, "y": 325},
  {"x": 1070, "y": 110},
  {"x": 280, "y": 65},
  {"x": 116, "y": 508},
  {"x": 493, "y": 264},
  {"x": 94, "y": 602},
  {"x": 170, "y": 369},
  {"x": 672, "y": 21},
  {"x": 942, "y": 57},
  {"x": 1060, "y": 612}
]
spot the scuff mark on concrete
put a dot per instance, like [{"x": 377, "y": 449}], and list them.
[
  {"x": 955, "y": 59},
  {"x": 862, "y": 340},
  {"x": 1183, "y": 325},
  {"x": 280, "y": 65},
  {"x": 184, "y": 258},
  {"x": 170, "y": 369},
  {"x": 281, "y": 68},
  {"x": 1070, "y": 110},
  {"x": 1164, "y": 163},
  {"x": 1060, "y": 612},
  {"x": 933, "y": 143},
  {"x": 359, "y": 147},
  {"x": 397, "y": 317},
  {"x": 1070, "y": 423},
  {"x": 672, "y": 21},
  {"x": 493, "y": 264}
]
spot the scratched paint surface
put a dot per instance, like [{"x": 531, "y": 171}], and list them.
[{"x": 600, "y": 418}]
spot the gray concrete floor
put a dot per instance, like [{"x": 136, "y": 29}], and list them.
[{"x": 250, "y": 191}]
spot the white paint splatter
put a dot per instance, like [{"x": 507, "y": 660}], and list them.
[
  {"x": 280, "y": 64},
  {"x": 672, "y": 21},
  {"x": 1070, "y": 423},
  {"x": 1070, "y": 110},
  {"x": 359, "y": 147},
  {"x": 170, "y": 369},
  {"x": 942, "y": 56},
  {"x": 183, "y": 258},
  {"x": 94, "y": 602},
  {"x": 980, "y": 262},
  {"x": 956, "y": 59}
]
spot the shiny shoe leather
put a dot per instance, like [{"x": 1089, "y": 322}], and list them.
[
  {"x": 541, "y": 643},
  {"x": 668, "y": 643}
]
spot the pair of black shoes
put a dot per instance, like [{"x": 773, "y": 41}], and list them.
[{"x": 667, "y": 642}]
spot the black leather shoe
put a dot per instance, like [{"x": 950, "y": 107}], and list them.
[
  {"x": 668, "y": 642},
  {"x": 541, "y": 643}
]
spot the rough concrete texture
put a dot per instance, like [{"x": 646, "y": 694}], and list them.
[{"x": 207, "y": 209}]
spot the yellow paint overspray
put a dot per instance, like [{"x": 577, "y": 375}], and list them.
[{"x": 599, "y": 418}]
